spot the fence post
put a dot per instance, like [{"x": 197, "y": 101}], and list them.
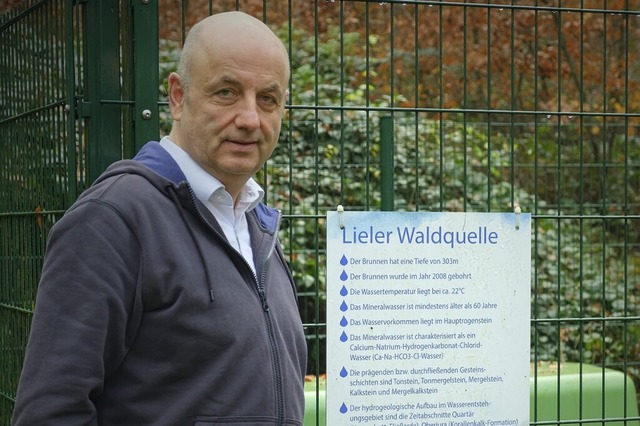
[
  {"x": 102, "y": 72},
  {"x": 386, "y": 163},
  {"x": 145, "y": 71}
]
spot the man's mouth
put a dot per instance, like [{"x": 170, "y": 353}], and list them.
[{"x": 242, "y": 144}]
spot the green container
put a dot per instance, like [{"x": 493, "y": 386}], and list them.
[
  {"x": 585, "y": 392},
  {"x": 574, "y": 392},
  {"x": 314, "y": 403}
]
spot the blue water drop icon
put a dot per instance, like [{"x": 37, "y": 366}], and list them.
[
  {"x": 344, "y": 276},
  {"x": 344, "y": 261},
  {"x": 344, "y": 291},
  {"x": 344, "y": 307},
  {"x": 343, "y": 372},
  {"x": 344, "y": 322},
  {"x": 343, "y": 337},
  {"x": 343, "y": 408}
]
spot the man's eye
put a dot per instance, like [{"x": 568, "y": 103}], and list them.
[
  {"x": 268, "y": 100},
  {"x": 225, "y": 93}
]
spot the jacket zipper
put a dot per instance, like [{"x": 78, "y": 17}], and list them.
[
  {"x": 263, "y": 300},
  {"x": 274, "y": 347}
]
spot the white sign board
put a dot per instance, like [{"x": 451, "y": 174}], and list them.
[{"x": 428, "y": 318}]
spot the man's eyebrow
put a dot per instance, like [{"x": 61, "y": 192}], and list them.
[
  {"x": 273, "y": 88},
  {"x": 227, "y": 79}
]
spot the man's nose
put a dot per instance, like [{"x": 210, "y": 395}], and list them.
[{"x": 248, "y": 116}]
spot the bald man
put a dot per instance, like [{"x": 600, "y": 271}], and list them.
[{"x": 165, "y": 298}]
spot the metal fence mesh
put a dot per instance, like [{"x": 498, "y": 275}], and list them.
[
  {"x": 493, "y": 103},
  {"x": 34, "y": 178}
]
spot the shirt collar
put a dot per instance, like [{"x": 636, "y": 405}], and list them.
[{"x": 204, "y": 185}]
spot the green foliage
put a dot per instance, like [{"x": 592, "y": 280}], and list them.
[{"x": 329, "y": 154}]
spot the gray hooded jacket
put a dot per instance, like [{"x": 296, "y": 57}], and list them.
[{"x": 145, "y": 314}]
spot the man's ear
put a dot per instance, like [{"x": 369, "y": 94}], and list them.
[{"x": 176, "y": 95}]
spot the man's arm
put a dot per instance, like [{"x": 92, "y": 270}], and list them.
[{"x": 80, "y": 326}]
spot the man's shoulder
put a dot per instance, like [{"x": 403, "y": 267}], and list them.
[{"x": 126, "y": 191}]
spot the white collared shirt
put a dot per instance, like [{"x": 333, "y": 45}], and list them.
[{"x": 213, "y": 194}]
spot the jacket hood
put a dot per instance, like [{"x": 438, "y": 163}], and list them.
[
  {"x": 155, "y": 159},
  {"x": 161, "y": 170}
]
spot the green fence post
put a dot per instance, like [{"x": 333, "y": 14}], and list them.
[
  {"x": 102, "y": 73},
  {"x": 145, "y": 71},
  {"x": 386, "y": 163}
]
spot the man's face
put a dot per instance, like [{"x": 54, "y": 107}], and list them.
[{"x": 230, "y": 117}]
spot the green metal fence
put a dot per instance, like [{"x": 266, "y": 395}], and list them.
[{"x": 489, "y": 104}]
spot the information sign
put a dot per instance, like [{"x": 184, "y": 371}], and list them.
[{"x": 428, "y": 318}]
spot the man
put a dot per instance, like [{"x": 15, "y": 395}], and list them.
[{"x": 165, "y": 298}]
